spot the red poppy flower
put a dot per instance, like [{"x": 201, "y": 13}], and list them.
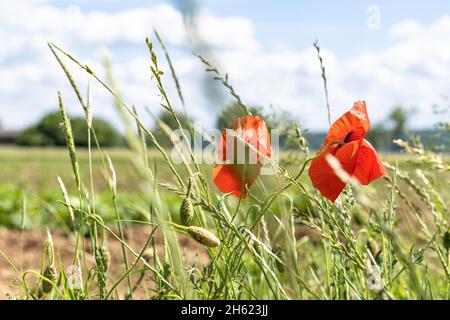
[
  {"x": 242, "y": 151},
  {"x": 355, "y": 154}
]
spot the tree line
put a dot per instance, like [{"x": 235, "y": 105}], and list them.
[{"x": 47, "y": 131}]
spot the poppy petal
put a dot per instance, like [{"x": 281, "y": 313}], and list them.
[
  {"x": 229, "y": 177},
  {"x": 255, "y": 132},
  {"x": 369, "y": 166},
  {"x": 323, "y": 177},
  {"x": 353, "y": 125},
  {"x": 348, "y": 155},
  {"x": 226, "y": 180},
  {"x": 244, "y": 151},
  {"x": 251, "y": 129}
]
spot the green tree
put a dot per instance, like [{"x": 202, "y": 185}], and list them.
[
  {"x": 399, "y": 118},
  {"x": 107, "y": 136},
  {"x": 232, "y": 111},
  {"x": 275, "y": 119},
  {"x": 379, "y": 137},
  {"x": 167, "y": 118},
  {"x": 393, "y": 127},
  {"x": 48, "y": 132}
]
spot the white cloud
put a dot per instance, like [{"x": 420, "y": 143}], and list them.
[
  {"x": 405, "y": 28},
  {"x": 412, "y": 70},
  {"x": 227, "y": 33}
]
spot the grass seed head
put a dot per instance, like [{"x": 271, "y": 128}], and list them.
[
  {"x": 258, "y": 248},
  {"x": 281, "y": 265},
  {"x": 203, "y": 236},
  {"x": 103, "y": 258},
  {"x": 70, "y": 141},
  {"x": 51, "y": 274},
  {"x": 372, "y": 245}
]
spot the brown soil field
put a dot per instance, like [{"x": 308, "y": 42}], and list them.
[{"x": 25, "y": 250}]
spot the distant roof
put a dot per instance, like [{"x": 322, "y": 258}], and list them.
[{"x": 9, "y": 134}]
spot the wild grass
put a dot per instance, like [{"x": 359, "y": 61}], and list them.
[{"x": 284, "y": 241}]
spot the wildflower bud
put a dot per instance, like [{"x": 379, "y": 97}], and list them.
[
  {"x": 373, "y": 247},
  {"x": 187, "y": 209},
  {"x": 360, "y": 218},
  {"x": 51, "y": 274},
  {"x": 446, "y": 240},
  {"x": 203, "y": 236},
  {"x": 186, "y": 212},
  {"x": 281, "y": 265}
]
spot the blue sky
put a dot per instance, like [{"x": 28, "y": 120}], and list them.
[
  {"x": 338, "y": 24},
  {"x": 265, "y": 46},
  {"x": 297, "y": 22}
]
